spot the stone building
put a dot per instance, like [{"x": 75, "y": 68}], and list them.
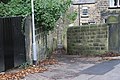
[
  {"x": 95, "y": 11},
  {"x": 108, "y": 8}
]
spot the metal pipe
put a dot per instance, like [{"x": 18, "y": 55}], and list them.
[
  {"x": 79, "y": 13},
  {"x": 33, "y": 34}
]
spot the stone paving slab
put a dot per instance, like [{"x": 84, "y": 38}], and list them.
[
  {"x": 83, "y": 77},
  {"x": 102, "y": 77},
  {"x": 36, "y": 77},
  {"x": 78, "y": 70},
  {"x": 102, "y": 68}
]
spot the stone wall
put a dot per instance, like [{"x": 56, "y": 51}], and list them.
[
  {"x": 42, "y": 52},
  {"x": 87, "y": 40}
]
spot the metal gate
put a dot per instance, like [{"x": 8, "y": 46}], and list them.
[
  {"x": 12, "y": 43},
  {"x": 114, "y": 38}
]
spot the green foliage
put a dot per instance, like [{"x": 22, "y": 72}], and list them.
[
  {"x": 24, "y": 65},
  {"x": 112, "y": 20},
  {"x": 15, "y": 8},
  {"x": 47, "y": 12},
  {"x": 72, "y": 16}
]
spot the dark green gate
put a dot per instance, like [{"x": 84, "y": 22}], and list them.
[
  {"x": 12, "y": 43},
  {"x": 114, "y": 38}
]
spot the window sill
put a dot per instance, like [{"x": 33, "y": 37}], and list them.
[
  {"x": 84, "y": 16},
  {"x": 114, "y": 7}
]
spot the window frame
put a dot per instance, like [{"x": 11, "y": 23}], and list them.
[
  {"x": 112, "y": 4},
  {"x": 84, "y": 11}
]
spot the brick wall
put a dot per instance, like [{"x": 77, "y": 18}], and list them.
[{"x": 87, "y": 40}]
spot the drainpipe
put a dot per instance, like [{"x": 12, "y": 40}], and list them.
[
  {"x": 79, "y": 13},
  {"x": 33, "y": 35}
]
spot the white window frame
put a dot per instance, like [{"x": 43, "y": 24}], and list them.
[
  {"x": 83, "y": 8},
  {"x": 111, "y": 3}
]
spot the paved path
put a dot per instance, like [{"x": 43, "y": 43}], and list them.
[{"x": 74, "y": 68}]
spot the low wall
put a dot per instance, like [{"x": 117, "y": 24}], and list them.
[{"x": 87, "y": 40}]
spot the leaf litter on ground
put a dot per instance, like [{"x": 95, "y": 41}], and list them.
[{"x": 39, "y": 68}]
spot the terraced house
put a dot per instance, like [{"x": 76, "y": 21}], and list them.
[{"x": 95, "y": 11}]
